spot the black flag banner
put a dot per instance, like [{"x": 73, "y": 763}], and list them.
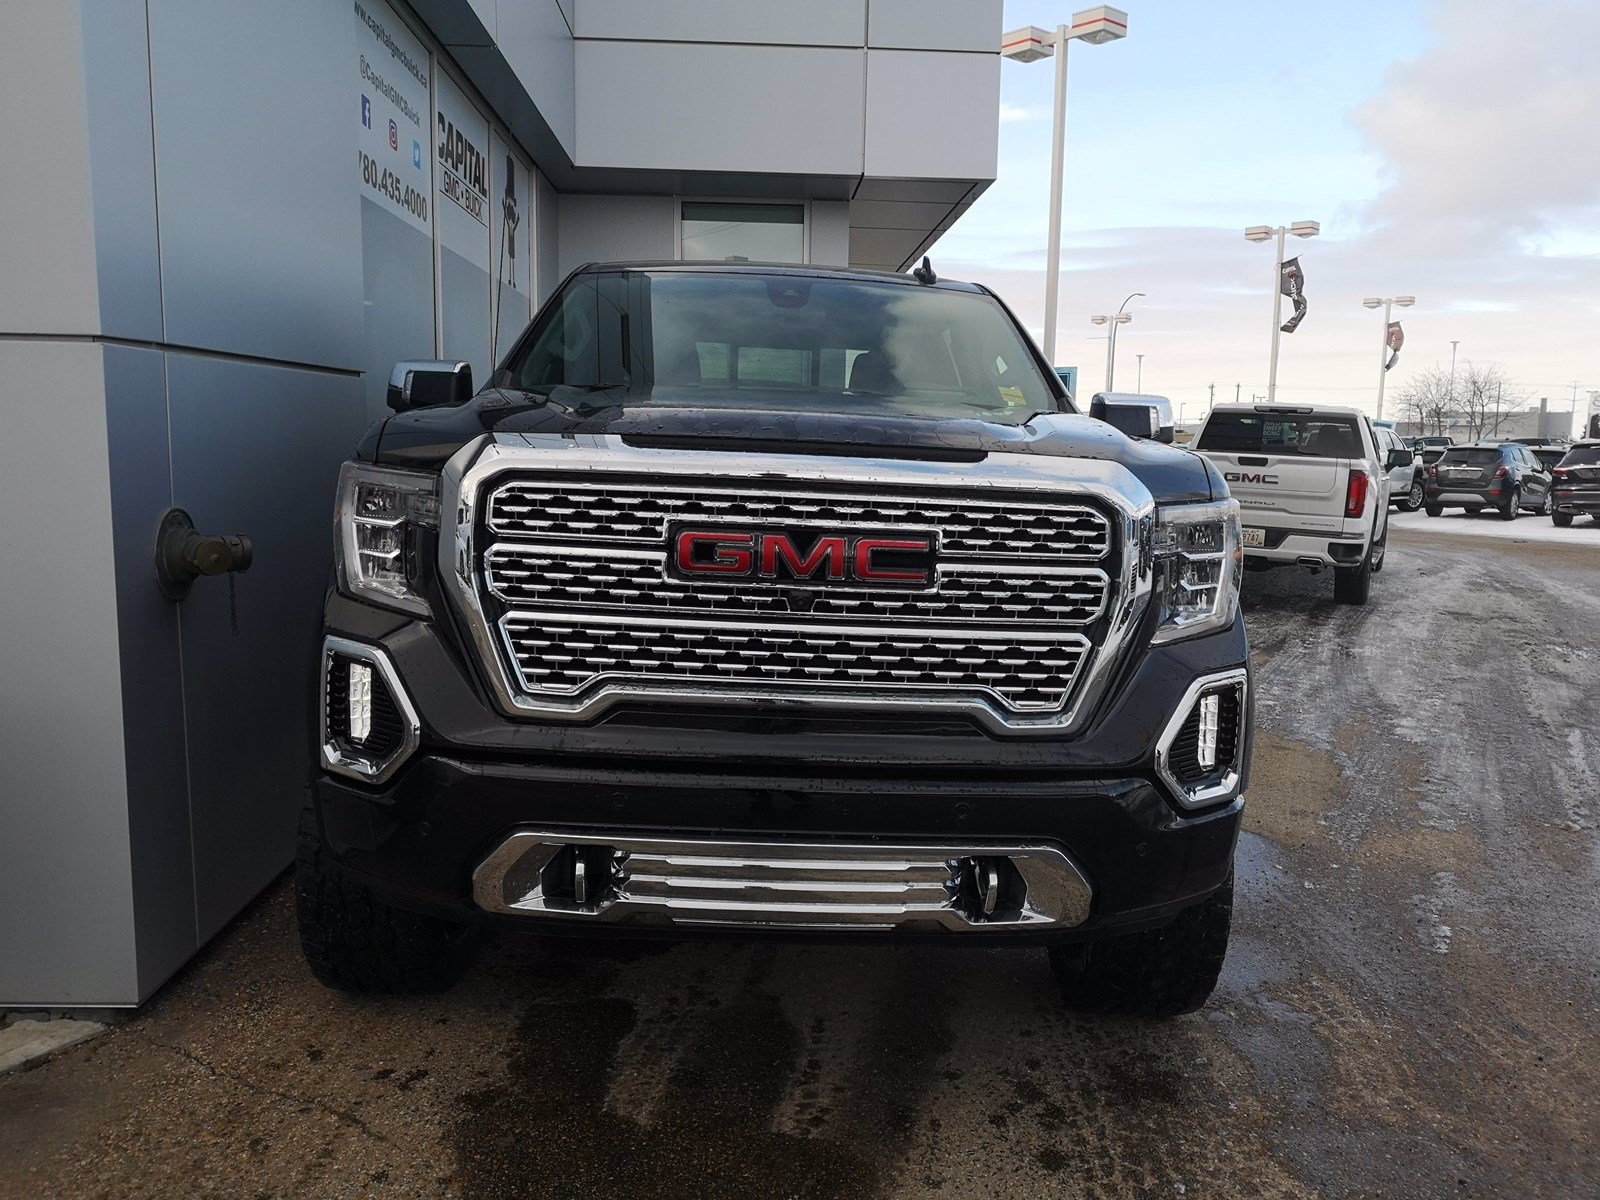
[
  {"x": 1397, "y": 338},
  {"x": 1293, "y": 285}
]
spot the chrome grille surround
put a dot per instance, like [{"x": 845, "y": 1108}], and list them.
[{"x": 830, "y": 639}]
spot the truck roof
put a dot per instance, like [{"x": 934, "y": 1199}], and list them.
[
  {"x": 692, "y": 266},
  {"x": 1340, "y": 410}
]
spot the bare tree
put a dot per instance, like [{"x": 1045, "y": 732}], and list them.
[
  {"x": 1486, "y": 396},
  {"x": 1424, "y": 398}
]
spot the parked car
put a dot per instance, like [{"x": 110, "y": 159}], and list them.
[
  {"x": 1499, "y": 475},
  {"x": 1575, "y": 483},
  {"x": 1312, "y": 485},
  {"x": 1549, "y": 451},
  {"x": 777, "y": 601},
  {"x": 1406, "y": 478},
  {"x": 1430, "y": 449}
]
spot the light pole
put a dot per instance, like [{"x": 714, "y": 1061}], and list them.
[
  {"x": 1138, "y": 379},
  {"x": 1117, "y": 318},
  {"x": 1383, "y": 348},
  {"x": 1451, "y": 401},
  {"x": 1029, "y": 44},
  {"x": 1262, "y": 233}
]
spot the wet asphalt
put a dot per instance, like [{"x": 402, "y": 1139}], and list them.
[{"x": 1410, "y": 1005}]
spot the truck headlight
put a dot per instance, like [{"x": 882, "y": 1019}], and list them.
[
  {"x": 377, "y": 515},
  {"x": 1198, "y": 563}
]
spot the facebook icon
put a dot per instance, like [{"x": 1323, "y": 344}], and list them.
[{"x": 366, "y": 112}]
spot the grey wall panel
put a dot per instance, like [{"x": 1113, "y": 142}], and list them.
[
  {"x": 122, "y": 168},
  {"x": 66, "y": 907},
  {"x": 814, "y": 22},
  {"x": 47, "y": 241},
  {"x": 950, "y": 100},
  {"x": 547, "y": 253},
  {"x": 617, "y": 228},
  {"x": 255, "y": 450},
  {"x": 536, "y": 41},
  {"x": 727, "y": 108},
  {"x": 569, "y": 10},
  {"x": 160, "y": 845},
  {"x": 258, "y": 181},
  {"x": 830, "y": 232},
  {"x": 936, "y": 24}
]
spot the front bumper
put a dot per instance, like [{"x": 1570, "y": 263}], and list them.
[{"x": 942, "y": 791}]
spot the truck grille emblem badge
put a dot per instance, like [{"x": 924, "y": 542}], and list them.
[{"x": 817, "y": 558}]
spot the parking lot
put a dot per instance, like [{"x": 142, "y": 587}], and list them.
[{"x": 1408, "y": 1009}]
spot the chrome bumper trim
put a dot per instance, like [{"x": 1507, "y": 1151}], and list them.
[{"x": 788, "y": 885}]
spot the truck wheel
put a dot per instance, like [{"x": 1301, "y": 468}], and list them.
[
  {"x": 1413, "y": 500},
  {"x": 1352, "y": 585},
  {"x": 355, "y": 942},
  {"x": 1512, "y": 506},
  {"x": 1561, "y": 519},
  {"x": 1155, "y": 973},
  {"x": 1434, "y": 510}
]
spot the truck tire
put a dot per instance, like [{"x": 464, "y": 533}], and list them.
[
  {"x": 1434, "y": 510},
  {"x": 355, "y": 942},
  {"x": 1413, "y": 497},
  {"x": 1560, "y": 519},
  {"x": 1155, "y": 973}
]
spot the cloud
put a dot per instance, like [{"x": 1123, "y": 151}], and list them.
[
  {"x": 1490, "y": 135},
  {"x": 1010, "y": 113}
]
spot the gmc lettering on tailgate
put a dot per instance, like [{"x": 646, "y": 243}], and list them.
[{"x": 1247, "y": 477}]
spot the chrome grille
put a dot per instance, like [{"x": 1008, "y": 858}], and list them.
[
  {"x": 553, "y": 654},
  {"x": 571, "y": 573},
  {"x": 638, "y": 513},
  {"x": 603, "y": 579}
]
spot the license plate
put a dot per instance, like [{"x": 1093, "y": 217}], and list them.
[{"x": 1255, "y": 537}]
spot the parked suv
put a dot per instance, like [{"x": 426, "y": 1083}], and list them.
[
  {"x": 755, "y": 600},
  {"x": 1406, "y": 475},
  {"x": 1575, "y": 483},
  {"x": 1499, "y": 475},
  {"x": 1312, "y": 485}
]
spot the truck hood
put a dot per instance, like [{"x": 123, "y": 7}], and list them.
[{"x": 426, "y": 438}]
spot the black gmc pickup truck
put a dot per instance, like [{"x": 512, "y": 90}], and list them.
[{"x": 758, "y": 600}]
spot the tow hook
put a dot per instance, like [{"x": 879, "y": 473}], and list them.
[{"x": 183, "y": 554}]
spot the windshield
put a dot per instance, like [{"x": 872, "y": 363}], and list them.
[
  {"x": 1308, "y": 434},
  {"x": 1476, "y": 458},
  {"x": 787, "y": 342}
]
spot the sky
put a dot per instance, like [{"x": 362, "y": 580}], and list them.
[{"x": 1449, "y": 148}]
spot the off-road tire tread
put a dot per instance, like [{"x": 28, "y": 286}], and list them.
[
  {"x": 355, "y": 942},
  {"x": 1156, "y": 973}
]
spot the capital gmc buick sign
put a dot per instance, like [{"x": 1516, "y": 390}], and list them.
[{"x": 465, "y": 174}]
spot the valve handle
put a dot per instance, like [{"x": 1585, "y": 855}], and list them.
[{"x": 183, "y": 554}]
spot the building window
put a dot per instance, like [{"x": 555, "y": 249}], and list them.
[{"x": 744, "y": 232}]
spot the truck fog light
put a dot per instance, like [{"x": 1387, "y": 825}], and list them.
[
  {"x": 1206, "y": 751},
  {"x": 361, "y": 703}
]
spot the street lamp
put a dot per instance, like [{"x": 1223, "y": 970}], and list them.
[
  {"x": 1383, "y": 349},
  {"x": 1117, "y": 318},
  {"x": 1264, "y": 233},
  {"x": 1029, "y": 44}
]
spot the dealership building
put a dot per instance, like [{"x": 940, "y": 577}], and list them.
[{"x": 220, "y": 225}]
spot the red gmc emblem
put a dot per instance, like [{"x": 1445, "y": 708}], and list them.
[{"x": 896, "y": 559}]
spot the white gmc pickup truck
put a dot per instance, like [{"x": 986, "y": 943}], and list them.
[{"x": 1312, "y": 485}]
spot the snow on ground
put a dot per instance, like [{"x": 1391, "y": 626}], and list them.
[{"x": 1584, "y": 531}]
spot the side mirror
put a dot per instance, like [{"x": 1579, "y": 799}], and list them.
[
  {"x": 1147, "y": 417},
  {"x": 1400, "y": 458},
  {"x": 426, "y": 382}
]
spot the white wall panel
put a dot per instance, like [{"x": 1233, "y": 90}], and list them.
[
  {"x": 932, "y": 114},
  {"x": 830, "y": 232},
  {"x": 723, "y": 108},
  {"x": 617, "y": 229},
  {"x": 936, "y": 24},
  {"x": 47, "y": 248},
  {"x": 536, "y": 40},
  {"x": 786, "y": 23}
]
